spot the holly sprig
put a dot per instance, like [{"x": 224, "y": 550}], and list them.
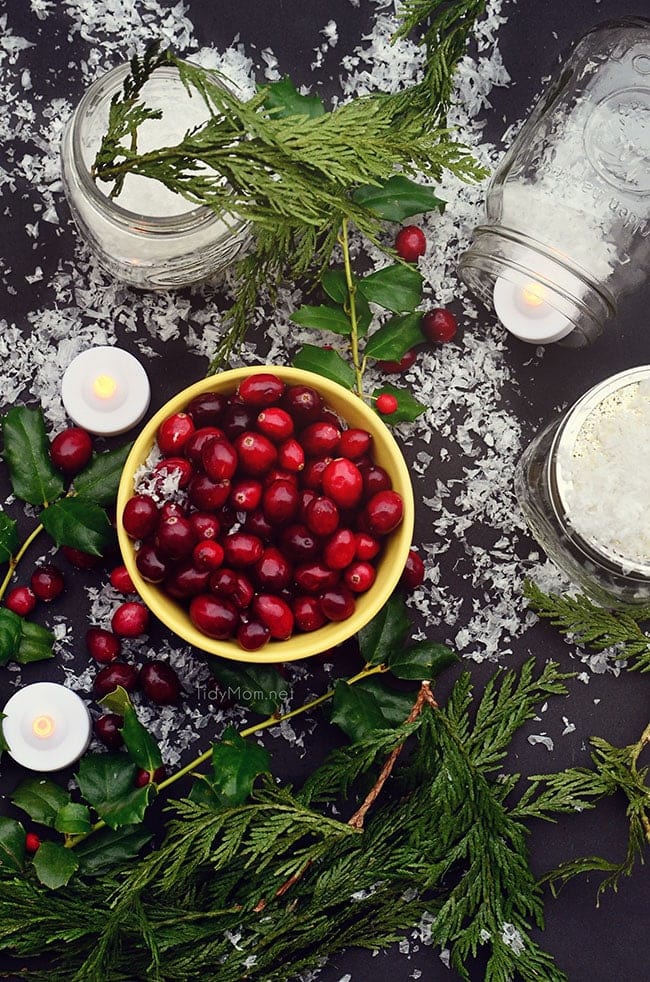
[{"x": 71, "y": 514}]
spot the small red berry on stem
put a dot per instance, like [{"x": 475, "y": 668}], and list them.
[
  {"x": 386, "y": 404},
  {"x": 410, "y": 243},
  {"x": 32, "y": 842},
  {"x": 439, "y": 325}
]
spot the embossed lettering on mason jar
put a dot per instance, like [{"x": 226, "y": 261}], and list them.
[
  {"x": 568, "y": 210},
  {"x": 148, "y": 236}
]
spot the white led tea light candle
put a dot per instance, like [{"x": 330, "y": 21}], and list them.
[
  {"x": 105, "y": 390},
  {"x": 46, "y": 726},
  {"x": 525, "y": 312}
]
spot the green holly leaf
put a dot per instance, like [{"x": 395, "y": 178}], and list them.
[
  {"x": 395, "y": 705},
  {"x": 201, "y": 792},
  {"x": 397, "y": 288},
  {"x": 107, "y": 783},
  {"x": 424, "y": 660},
  {"x": 364, "y": 314},
  {"x": 327, "y": 363},
  {"x": 398, "y": 198},
  {"x": 41, "y": 798},
  {"x": 73, "y": 819},
  {"x": 236, "y": 764},
  {"x": 108, "y": 849},
  {"x": 283, "y": 99},
  {"x": 9, "y": 541},
  {"x": 356, "y": 711},
  {"x": 323, "y": 318},
  {"x": 394, "y": 338},
  {"x": 54, "y": 864},
  {"x": 408, "y": 407},
  {"x": 260, "y": 687},
  {"x": 385, "y": 633},
  {"x": 78, "y": 523},
  {"x": 36, "y": 643},
  {"x": 26, "y": 450},
  {"x": 3, "y": 743},
  {"x": 99, "y": 481},
  {"x": 12, "y": 844},
  {"x": 141, "y": 746},
  {"x": 11, "y": 629},
  {"x": 335, "y": 285}
]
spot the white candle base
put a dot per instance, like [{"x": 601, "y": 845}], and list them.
[
  {"x": 535, "y": 322},
  {"x": 47, "y": 727},
  {"x": 106, "y": 391}
]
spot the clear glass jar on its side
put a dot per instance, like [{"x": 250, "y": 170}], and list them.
[
  {"x": 567, "y": 227},
  {"x": 609, "y": 561},
  {"x": 149, "y": 237}
]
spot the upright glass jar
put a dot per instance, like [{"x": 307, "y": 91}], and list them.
[
  {"x": 583, "y": 486},
  {"x": 148, "y": 236},
  {"x": 567, "y": 228}
]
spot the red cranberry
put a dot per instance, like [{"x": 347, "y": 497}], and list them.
[
  {"x": 337, "y": 603},
  {"x": 242, "y": 549},
  {"x": 386, "y": 404},
  {"x": 359, "y": 576},
  {"x": 340, "y": 549},
  {"x": 47, "y": 582},
  {"x": 291, "y": 456},
  {"x": 107, "y": 729},
  {"x": 279, "y": 474},
  {"x": 410, "y": 243},
  {"x": 205, "y": 525},
  {"x": 384, "y": 512},
  {"x": 261, "y": 389},
  {"x": 367, "y": 546},
  {"x": 103, "y": 646},
  {"x": 21, "y": 600},
  {"x": 178, "y": 468},
  {"x": 171, "y": 509},
  {"x": 198, "y": 441},
  {"x": 140, "y": 516},
  {"x": 343, "y": 483},
  {"x": 151, "y": 566},
  {"x": 322, "y": 516},
  {"x": 206, "y": 494},
  {"x": 243, "y": 593},
  {"x": 258, "y": 524},
  {"x": 130, "y": 619},
  {"x": 280, "y": 502},
  {"x": 160, "y": 683},
  {"x": 355, "y": 442},
  {"x": 214, "y": 616},
  {"x": 439, "y": 325},
  {"x": 143, "y": 777},
  {"x": 276, "y": 423},
  {"x": 256, "y": 452},
  {"x": 187, "y": 581},
  {"x": 246, "y": 495},
  {"x": 375, "y": 479},
  {"x": 272, "y": 571},
  {"x": 219, "y": 459},
  {"x": 253, "y": 635},
  {"x": 397, "y": 367},
  {"x": 32, "y": 842},
  {"x": 320, "y": 438},
  {"x": 117, "y": 673},
  {"x": 312, "y": 477},
  {"x": 306, "y": 496},
  {"x": 307, "y": 613},
  {"x": 208, "y": 554},
  {"x": 275, "y": 614},
  {"x": 80, "y": 559},
  {"x": 299, "y": 542},
  {"x": 175, "y": 538},
  {"x": 71, "y": 450},
  {"x": 315, "y": 577},
  {"x": 174, "y": 432},
  {"x": 120, "y": 580},
  {"x": 413, "y": 574},
  {"x": 304, "y": 403},
  {"x": 223, "y": 582},
  {"x": 238, "y": 419},
  {"x": 206, "y": 409}
]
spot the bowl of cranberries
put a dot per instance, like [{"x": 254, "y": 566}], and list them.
[{"x": 265, "y": 514}]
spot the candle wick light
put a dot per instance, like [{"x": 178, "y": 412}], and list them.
[
  {"x": 105, "y": 386},
  {"x": 43, "y": 726},
  {"x": 525, "y": 311},
  {"x": 105, "y": 390}
]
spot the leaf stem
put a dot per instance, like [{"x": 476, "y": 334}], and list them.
[
  {"x": 13, "y": 562},
  {"x": 352, "y": 309}
]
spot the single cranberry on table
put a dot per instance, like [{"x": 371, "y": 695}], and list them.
[
  {"x": 397, "y": 367},
  {"x": 102, "y": 645},
  {"x": 130, "y": 619},
  {"x": 21, "y": 600},
  {"x": 120, "y": 580},
  {"x": 80, "y": 559},
  {"x": 160, "y": 683},
  {"x": 410, "y": 243},
  {"x": 47, "y": 582},
  {"x": 413, "y": 574},
  {"x": 71, "y": 450},
  {"x": 107, "y": 729},
  {"x": 439, "y": 325},
  {"x": 117, "y": 673}
]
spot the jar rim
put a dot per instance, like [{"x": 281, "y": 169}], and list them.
[{"x": 187, "y": 221}]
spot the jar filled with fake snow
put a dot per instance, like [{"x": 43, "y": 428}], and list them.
[
  {"x": 584, "y": 487},
  {"x": 148, "y": 236},
  {"x": 567, "y": 226}
]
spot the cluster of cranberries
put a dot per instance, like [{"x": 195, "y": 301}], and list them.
[{"x": 281, "y": 513}]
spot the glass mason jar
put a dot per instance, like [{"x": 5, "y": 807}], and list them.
[
  {"x": 148, "y": 236},
  {"x": 567, "y": 226},
  {"x": 583, "y": 484}
]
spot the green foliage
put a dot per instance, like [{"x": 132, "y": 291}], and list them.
[
  {"x": 587, "y": 623},
  {"x": 236, "y": 764},
  {"x": 260, "y": 687},
  {"x": 397, "y": 288},
  {"x": 408, "y": 408},
  {"x": 78, "y": 523},
  {"x": 54, "y": 864},
  {"x": 9, "y": 540},
  {"x": 140, "y": 745},
  {"x": 21, "y": 640},
  {"x": 397, "y": 198},
  {"x": 41, "y": 799},
  {"x": 73, "y": 819},
  {"x": 107, "y": 782},
  {"x": 393, "y": 339},
  {"x": 356, "y": 711},
  {"x": 386, "y": 633},
  {"x": 110, "y": 849},
  {"x": 324, "y": 362},
  {"x": 283, "y": 99},
  {"x": 12, "y": 844},
  {"x": 99, "y": 480},
  {"x": 323, "y": 318},
  {"x": 33, "y": 478}
]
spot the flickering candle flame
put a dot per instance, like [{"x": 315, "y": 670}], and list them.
[
  {"x": 105, "y": 390},
  {"x": 524, "y": 310},
  {"x": 43, "y": 727},
  {"x": 105, "y": 386},
  {"x": 533, "y": 294}
]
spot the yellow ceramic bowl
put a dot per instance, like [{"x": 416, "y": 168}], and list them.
[{"x": 396, "y": 546}]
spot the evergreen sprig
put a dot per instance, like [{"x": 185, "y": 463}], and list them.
[{"x": 586, "y": 623}]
